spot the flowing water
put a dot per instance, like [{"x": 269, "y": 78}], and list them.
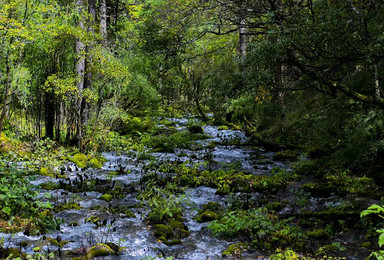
[{"x": 133, "y": 233}]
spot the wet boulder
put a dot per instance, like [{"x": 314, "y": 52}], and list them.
[{"x": 101, "y": 249}]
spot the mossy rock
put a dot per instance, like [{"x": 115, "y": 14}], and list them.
[
  {"x": 80, "y": 160},
  {"x": 213, "y": 206},
  {"x": 223, "y": 127},
  {"x": 287, "y": 155},
  {"x": 67, "y": 206},
  {"x": 320, "y": 234},
  {"x": 5, "y": 253},
  {"x": 275, "y": 206},
  {"x": 50, "y": 186},
  {"x": 366, "y": 245},
  {"x": 129, "y": 214},
  {"x": 95, "y": 163},
  {"x": 45, "y": 172},
  {"x": 93, "y": 219},
  {"x": 234, "y": 249},
  {"x": 58, "y": 243},
  {"x": 207, "y": 216},
  {"x": 195, "y": 129},
  {"x": 180, "y": 230},
  {"x": 317, "y": 189},
  {"x": 113, "y": 173},
  {"x": 162, "y": 230},
  {"x": 106, "y": 197},
  {"x": 172, "y": 242},
  {"x": 101, "y": 249}
]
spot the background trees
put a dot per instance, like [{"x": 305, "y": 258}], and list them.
[{"x": 298, "y": 72}]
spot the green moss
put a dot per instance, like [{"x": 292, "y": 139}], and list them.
[
  {"x": 320, "y": 234},
  {"x": 113, "y": 173},
  {"x": 287, "y": 155},
  {"x": 172, "y": 242},
  {"x": 106, "y": 197},
  {"x": 101, "y": 249},
  {"x": 50, "y": 186},
  {"x": 213, "y": 206},
  {"x": 172, "y": 233},
  {"x": 93, "y": 219},
  {"x": 162, "y": 230},
  {"x": 317, "y": 189},
  {"x": 207, "y": 216},
  {"x": 62, "y": 207},
  {"x": 276, "y": 206},
  {"x": 57, "y": 243},
  {"x": 367, "y": 245},
  {"x": 14, "y": 252},
  {"x": 45, "y": 172},
  {"x": 234, "y": 249},
  {"x": 80, "y": 160},
  {"x": 95, "y": 163}
]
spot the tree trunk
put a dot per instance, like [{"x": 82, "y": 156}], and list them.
[
  {"x": 242, "y": 40},
  {"x": 49, "y": 114},
  {"x": 103, "y": 22},
  {"x": 80, "y": 70}
]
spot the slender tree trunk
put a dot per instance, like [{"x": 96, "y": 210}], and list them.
[
  {"x": 242, "y": 40},
  {"x": 49, "y": 114},
  {"x": 103, "y": 22},
  {"x": 80, "y": 70}
]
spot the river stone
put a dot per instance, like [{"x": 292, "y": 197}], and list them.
[
  {"x": 100, "y": 249},
  {"x": 207, "y": 216}
]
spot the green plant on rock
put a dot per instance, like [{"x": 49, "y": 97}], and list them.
[
  {"x": 259, "y": 227},
  {"x": 379, "y": 211},
  {"x": 163, "y": 204}
]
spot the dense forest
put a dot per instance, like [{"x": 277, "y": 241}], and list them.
[{"x": 191, "y": 129}]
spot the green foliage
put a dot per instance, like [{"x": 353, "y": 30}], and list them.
[
  {"x": 232, "y": 180},
  {"x": 163, "y": 204},
  {"x": 16, "y": 195},
  {"x": 258, "y": 226},
  {"x": 168, "y": 142},
  {"x": 379, "y": 211}
]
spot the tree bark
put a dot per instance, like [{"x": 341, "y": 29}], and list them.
[
  {"x": 49, "y": 114},
  {"x": 80, "y": 70},
  {"x": 103, "y": 22}
]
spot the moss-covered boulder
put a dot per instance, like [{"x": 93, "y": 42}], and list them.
[
  {"x": 207, "y": 216},
  {"x": 275, "y": 206},
  {"x": 235, "y": 249},
  {"x": 172, "y": 233},
  {"x": 101, "y": 249},
  {"x": 162, "y": 230},
  {"x": 287, "y": 155},
  {"x": 11, "y": 253},
  {"x": 318, "y": 189},
  {"x": 106, "y": 197},
  {"x": 320, "y": 234}
]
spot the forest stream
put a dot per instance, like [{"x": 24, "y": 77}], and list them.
[{"x": 121, "y": 220}]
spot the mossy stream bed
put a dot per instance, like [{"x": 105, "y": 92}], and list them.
[{"x": 105, "y": 207}]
